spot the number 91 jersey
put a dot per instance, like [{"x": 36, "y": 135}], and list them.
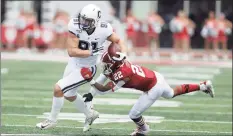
[
  {"x": 89, "y": 42},
  {"x": 140, "y": 78}
]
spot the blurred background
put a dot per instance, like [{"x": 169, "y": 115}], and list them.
[
  {"x": 153, "y": 30},
  {"x": 186, "y": 41}
]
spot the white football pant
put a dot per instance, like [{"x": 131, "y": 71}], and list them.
[{"x": 147, "y": 99}]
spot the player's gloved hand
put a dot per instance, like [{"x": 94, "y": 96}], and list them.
[
  {"x": 97, "y": 51},
  {"x": 87, "y": 97},
  {"x": 111, "y": 84},
  {"x": 86, "y": 74}
]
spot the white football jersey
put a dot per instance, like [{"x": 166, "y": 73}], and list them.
[{"x": 94, "y": 41}]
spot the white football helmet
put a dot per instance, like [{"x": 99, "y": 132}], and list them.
[{"x": 89, "y": 17}]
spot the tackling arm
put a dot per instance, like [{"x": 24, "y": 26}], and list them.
[{"x": 110, "y": 86}]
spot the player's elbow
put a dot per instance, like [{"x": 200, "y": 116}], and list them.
[
  {"x": 103, "y": 89},
  {"x": 70, "y": 52}
]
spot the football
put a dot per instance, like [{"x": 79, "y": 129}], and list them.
[{"x": 113, "y": 48}]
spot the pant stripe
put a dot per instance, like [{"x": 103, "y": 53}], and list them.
[
  {"x": 70, "y": 87},
  {"x": 73, "y": 86},
  {"x": 94, "y": 70}
]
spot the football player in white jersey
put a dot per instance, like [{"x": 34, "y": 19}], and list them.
[{"x": 84, "y": 45}]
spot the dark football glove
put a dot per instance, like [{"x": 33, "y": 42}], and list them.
[{"x": 88, "y": 97}]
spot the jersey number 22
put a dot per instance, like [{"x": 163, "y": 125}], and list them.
[{"x": 137, "y": 70}]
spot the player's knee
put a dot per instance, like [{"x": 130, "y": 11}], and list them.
[
  {"x": 134, "y": 114},
  {"x": 71, "y": 98},
  {"x": 168, "y": 94},
  {"x": 57, "y": 92}
]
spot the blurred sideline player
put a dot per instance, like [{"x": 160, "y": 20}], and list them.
[
  {"x": 124, "y": 74},
  {"x": 84, "y": 45}
]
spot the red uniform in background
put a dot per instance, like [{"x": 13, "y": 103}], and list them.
[
  {"x": 60, "y": 23},
  {"x": 26, "y": 26},
  {"x": 21, "y": 26},
  {"x": 132, "y": 26},
  {"x": 141, "y": 78},
  {"x": 211, "y": 24},
  {"x": 183, "y": 33},
  {"x": 209, "y": 32},
  {"x": 182, "y": 28},
  {"x": 224, "y": 28},
  {"x": 221, "y": 31},
  {"x": 152, "y": 27}
]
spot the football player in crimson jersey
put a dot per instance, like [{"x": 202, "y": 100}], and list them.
[{"x": 124, "y": 74}]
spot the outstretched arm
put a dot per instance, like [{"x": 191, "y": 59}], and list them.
[
  {"x": 87, "y": 75},
  {"x": 109, "y": 86}
]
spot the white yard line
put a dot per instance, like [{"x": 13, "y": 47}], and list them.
[
  {"x": 198, "y": 121},
  {"x": 124, "y": 102},
  {"x": 190, "y": 70},
  {"x": 109, "y": 128},
  {"x": 167, "y": 120},
  {"x": 4, "y": 70},
  {"x": 177, "y": 111},
  {"x": 29, "y": 135},
  {"x": 105, "y": 99},
  {"x": 186, "y": 75},
  {"x": 120, "y": 91}
]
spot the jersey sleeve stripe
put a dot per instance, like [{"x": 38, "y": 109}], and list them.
[
  {"x": 109, "y": 36},
  {"x": 74, "y": 33}
]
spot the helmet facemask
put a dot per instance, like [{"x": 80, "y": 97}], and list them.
[
  {"x": 106, "y": 67},
  {"x": 86, "y": 23}
]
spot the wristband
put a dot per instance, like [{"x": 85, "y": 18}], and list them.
[{"x": 92, "y": 82}]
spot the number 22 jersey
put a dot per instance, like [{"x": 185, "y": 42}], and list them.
[
  {"x": 140, "y": 78},
  {"x": 95, "y": 40}
]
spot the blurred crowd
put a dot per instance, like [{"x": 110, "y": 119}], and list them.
[{"x": 27, "y": 34}]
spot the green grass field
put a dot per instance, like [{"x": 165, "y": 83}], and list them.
[{"x": 27, "y": 97}]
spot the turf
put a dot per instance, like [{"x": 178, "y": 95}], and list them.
[{"x": 27, "y": 92}]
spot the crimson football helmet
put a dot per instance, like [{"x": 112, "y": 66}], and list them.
[{"x": 112, "y": 59}]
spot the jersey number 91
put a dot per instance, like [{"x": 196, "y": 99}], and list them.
[{"x": 85, "y": 45}]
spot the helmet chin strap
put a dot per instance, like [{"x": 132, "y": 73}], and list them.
[{"x": 122, "y": 56}]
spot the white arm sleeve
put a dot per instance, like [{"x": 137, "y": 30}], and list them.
[
  {"x": 118, "y": 85},
  {"x": 72, "y": 26},
  {"x": 109, "y": 30},
  {"x": 101, "y": 79}
]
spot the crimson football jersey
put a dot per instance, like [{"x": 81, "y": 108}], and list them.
[{"x": 140, "y": 77}]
